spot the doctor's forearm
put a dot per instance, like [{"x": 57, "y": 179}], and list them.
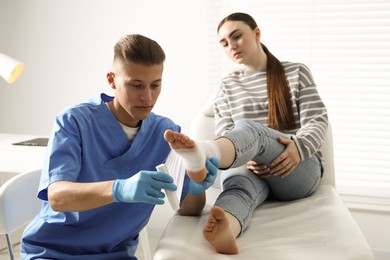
[{"x": 76, "y": 197}]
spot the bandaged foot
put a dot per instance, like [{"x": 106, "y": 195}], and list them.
[
  {"x": 194, "y": 154},
  {"x": 218, "y": 233}
]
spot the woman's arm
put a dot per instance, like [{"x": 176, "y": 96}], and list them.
[
  {"x": 313, "y": 116},
  {"x": 223, "y": 117}
]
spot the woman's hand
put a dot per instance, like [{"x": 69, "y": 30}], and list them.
[
  {"x": 282, "y": 165},
  {"x": 262, "y": 170},
  {"x": 286, "y": 162}
]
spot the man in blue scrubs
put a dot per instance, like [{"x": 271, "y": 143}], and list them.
[{"x": 99, "y": 184}]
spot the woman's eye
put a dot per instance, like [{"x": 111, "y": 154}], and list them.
[
  {"x": 237, "y": 36},
  {"x": 224, "y": 44}
]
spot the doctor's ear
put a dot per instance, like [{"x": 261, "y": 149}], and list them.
[
  {"x": 258, "y": 33},
  {"x": 110, "y": 79}
]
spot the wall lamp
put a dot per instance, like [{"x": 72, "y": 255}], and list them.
[{"x": 10, "y": 69}]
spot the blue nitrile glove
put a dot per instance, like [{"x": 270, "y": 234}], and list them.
[
  {"x": 198, "y": 188},
  {"x": 145, "y": 186}
]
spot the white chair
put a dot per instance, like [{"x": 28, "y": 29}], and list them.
[
  {"x": 18, "y": 203},
  {"x": 318, "y": 227}
]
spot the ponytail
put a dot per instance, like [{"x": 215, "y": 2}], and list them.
[{"x": 280, "y": 114}]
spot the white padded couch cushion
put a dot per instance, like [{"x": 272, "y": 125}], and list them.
[{"x": 319, "y": 227}]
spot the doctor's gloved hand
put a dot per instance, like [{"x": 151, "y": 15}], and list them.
[
  {"x": 198, "y": 188},
  {"x": 145, "y": 186}
]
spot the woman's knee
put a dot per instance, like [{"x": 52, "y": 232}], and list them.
[
  {"x": 249, "y": 186},
  {"x": 225, "y": 174},
  {"x": 250, "y": 125}
]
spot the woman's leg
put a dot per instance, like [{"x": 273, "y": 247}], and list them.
[
  {"x": 221, "y": 231},
  {"x": 243, "y": 191},
  {"x": 253, "y": 141},
  {"x": 249, "y": 141},
  {"x": 301, "y": 183},
  {"x": 195, "y": 154},
  {"x": 222, "y": 228},
  {"x": 246, "y": 141}
]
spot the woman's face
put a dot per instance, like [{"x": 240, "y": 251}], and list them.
[{"x": 239, "y": 41}]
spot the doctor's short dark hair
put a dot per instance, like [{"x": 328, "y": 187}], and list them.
[{"x": 139, "y": 49}]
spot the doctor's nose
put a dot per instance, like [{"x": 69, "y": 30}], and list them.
[{"x": 146, "y": 95}]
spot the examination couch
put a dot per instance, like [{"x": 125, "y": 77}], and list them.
[{"x": 318, "y": 227}]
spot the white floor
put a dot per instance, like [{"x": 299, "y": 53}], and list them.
[{"x": 153, "y": 236}]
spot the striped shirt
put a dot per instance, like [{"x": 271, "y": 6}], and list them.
[{"x": 243, "y": 95}]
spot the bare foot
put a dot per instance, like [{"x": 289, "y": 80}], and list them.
[
  {"x": 184, "y": 145},
  {"x": 218, "y": 232}
]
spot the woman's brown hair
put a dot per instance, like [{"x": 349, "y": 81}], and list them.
[{"x": 280, "y": 113}]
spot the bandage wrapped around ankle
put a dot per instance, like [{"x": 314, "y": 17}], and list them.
[
  {"x": 195, "y": 159},
  {"x": 198, "y": 188},
  {"x": 145, "y": 186}
]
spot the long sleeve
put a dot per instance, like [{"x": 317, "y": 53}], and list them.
[
  {"x": 313, "y": 117},
  {"x": 243, "y": 95}
]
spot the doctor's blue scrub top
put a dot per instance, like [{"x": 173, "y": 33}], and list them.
[{"x": 87, "y": 144}]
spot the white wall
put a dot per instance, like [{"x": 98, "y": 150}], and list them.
[{"x": 67, "y": 48}]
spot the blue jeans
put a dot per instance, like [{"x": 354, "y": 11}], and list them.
[{"x": 243, "y": 191}]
